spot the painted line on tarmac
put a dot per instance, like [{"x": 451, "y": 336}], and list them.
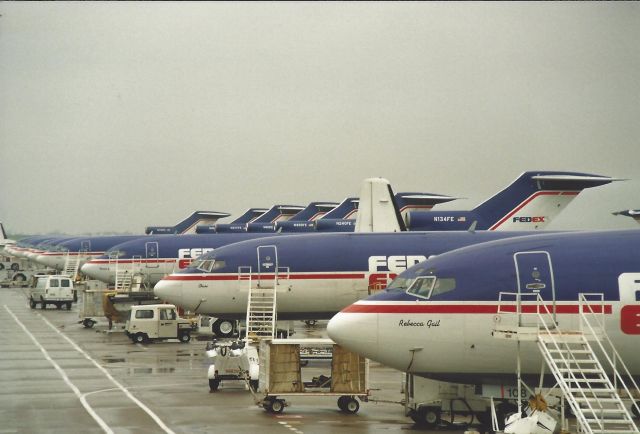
[
  {"x": 63, "y": 374},
  {"x": 286, "y": 425},
  {"x": 124, "y": 390}
]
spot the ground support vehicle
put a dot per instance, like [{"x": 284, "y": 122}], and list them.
[
  {"x": 152, "y": 322},
  {"x": 232, "y": 360},
  {"x": 281, "y": 375},
  {"x": 93, "y": 293},
  {"x": 51, "y": 289}
]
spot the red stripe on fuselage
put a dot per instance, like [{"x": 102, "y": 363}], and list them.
[
  {"x": 263, "y": 277},
  {"x": 533, "y": 196},
  {"x": 468, "y": 308}
]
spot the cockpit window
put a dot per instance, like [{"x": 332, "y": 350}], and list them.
[
  {"x": 207, "y": 265},
  {"x": 422, "y": 286},
  {"x": 217, "y": 265},
  {"x": 400, "y": 283},
  {"x": 430, "y": 286}
]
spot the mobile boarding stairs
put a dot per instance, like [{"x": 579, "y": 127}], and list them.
[{"x": 586, "y": 366}]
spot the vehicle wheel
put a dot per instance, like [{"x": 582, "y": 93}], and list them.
[
  {"x": 1, "y": 266},
  {"x": 140, "y": 338},
  {"x": 351, "y": 405},
  {"x": 68, "y": 305},
  {"x": 184, "y": 337},
  {"x": 276, "y": 406},
  {"x": 428, "y": 417},
  {"x": 15, "y": 267},
  {"x": 88, "y": 323},
  {"x": 342, "y": 401},
  {"x": 58, "y": 306},
  {"x": 310, "y": 322},
  {"x": 253, "y": 385},
  {"x": 32, "y": 303},
  {"x": 214, "y": 383},
  {"x": 222, "y": 328},
  {"x": 19, "y": 277},
  {"x": 43, "y": 305}
]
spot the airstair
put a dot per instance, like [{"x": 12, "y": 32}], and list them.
[
  {"x": 71, "y": 265},
  {"x": 124, "y": 273},
  {"x": 586, "y": 366},
  {"x": 261, "y": 304}
]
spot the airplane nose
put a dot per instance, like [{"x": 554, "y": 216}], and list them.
[
  {"x": 169, "y": 290},
  {"x": 358, "y": 332}
]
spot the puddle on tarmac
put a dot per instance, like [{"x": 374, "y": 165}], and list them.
[{"x": 113, "y": 360}]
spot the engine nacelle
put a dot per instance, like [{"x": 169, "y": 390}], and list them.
[
  {"x": 158, "y": 230},
  {"x": 231, "y": 227},
  {"x": 261, "y": 227},
  {"x": 206, "y": 229},
  {"x": 289, "y": 226},
  {"x": 335, "y": 225}
]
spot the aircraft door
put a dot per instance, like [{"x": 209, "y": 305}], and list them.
[
  {"x": 151, "y": 253},
  {"x": 267, "y": 265},
  {"x": 534, "y": 274}
]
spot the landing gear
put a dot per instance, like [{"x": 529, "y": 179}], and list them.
[{"x": 223, "y": 328}]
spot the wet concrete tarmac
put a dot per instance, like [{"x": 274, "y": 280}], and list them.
[{"x": 58, "y": 377}]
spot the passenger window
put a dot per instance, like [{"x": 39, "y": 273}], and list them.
[
  {"x": 53, "y": 283},
  {"x": 163, "y": 314},
  {"x": 172, "y": 314},
  {"x": 144, "y": 314},
  {"x": 65, "y": 283}
]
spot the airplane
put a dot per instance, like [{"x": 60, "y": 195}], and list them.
[
  {"x": 633, "y": 213},
  {"x": 528, "y": 203},
  {"x": 54, "y": 252},
  {"x": 156, "y": 257},
  {"x": 189, "y": 224},
  {"x": 237, "y": 225},
  {"x": 441, "y": 319},
  {"x": 317, "y": 273}
]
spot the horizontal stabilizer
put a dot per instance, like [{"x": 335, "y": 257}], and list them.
[
  {"x": 633, "y": 213},
  {"x": 249, "y": 215},
  {"x": 188, "y": 225},
  {"x": 313, "y": 211},
  {"x": 346, "y": 209}
]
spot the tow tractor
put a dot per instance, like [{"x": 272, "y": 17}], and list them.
[{"x": 157, "y": 322}]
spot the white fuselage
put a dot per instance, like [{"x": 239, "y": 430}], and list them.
[
  {"x": 299, "y": 295},
  {"x": 152, "y": 270},
  {"x": 450, "y": 340}
]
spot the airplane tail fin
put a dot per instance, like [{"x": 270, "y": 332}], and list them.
[
  {"x": 249, "y": 215},
  {"x": 188, "y": 225},
  {"x": 377, "y": 210},
  {"x": 313, "y": 211},
  {"x": 534, "y": 199},
  {"x": 267, "y": 221},
  {"x": 344, "y": 210}
]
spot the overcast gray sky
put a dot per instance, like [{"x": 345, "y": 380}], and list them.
[{"x": 114, "y": 116}]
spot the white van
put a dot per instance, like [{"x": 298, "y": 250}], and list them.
[{"x": 51, "y": 289}]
